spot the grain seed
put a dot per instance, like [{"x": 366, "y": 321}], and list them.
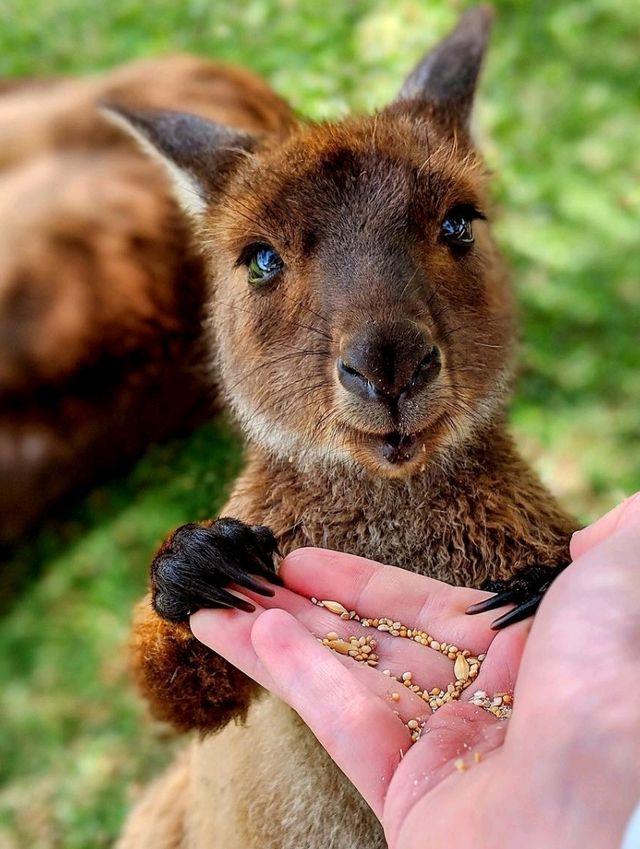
[
  {"x": 465, "y": 664},
  {"x": 335, "y": 607},
  {"x": 461, "y": 668},
  {"x": 340, "y": 646}
]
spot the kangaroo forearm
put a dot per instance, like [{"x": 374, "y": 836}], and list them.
[{"x": 185, "y": 683}]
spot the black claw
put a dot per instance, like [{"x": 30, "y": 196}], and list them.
[
  {"x": 522, "y": 611},
  {"x": 255, "y": 586},
  {"x": 492, "y": 602},
  {"x": 231, "y": 600},
  {"x": 200, "y": 563},
  {"x": 526, "y": 590}
]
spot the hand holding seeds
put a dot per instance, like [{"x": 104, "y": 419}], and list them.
[
  {"x": 456, "y": 772},
  {"x": 396, "y": 643}
]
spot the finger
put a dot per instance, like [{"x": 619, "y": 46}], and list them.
[
  {"x": 588, "y": 622},
  {"x": 403, "y": 703},
  {"x": 624, "y": 515},
  {"x": 398, "y": 655},
  {"x": 458, "y": 740},
  {"x": 576, "y": 671},
  {"x": 230, "y": 636},
  {"x": 358, "y": 729},
  {"x": 499, "y": 670},
  {"x": 375, "y": 590},
  {"x": 228, "y": 633}
]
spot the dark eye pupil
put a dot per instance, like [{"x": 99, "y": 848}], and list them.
[
  {"x": 267, "y": 260},
  {"x": 457, "y": 227},
  {"x": 264, "y": 264}
]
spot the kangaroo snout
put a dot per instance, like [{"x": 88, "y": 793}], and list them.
[{"x": 387, "y": 362}]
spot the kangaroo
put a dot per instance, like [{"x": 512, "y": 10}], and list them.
[
  {"x": 101, "y": 290},
  {"x": 363, "y": 331}
]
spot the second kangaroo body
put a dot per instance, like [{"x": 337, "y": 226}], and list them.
[{"x": 363, "y": 329}]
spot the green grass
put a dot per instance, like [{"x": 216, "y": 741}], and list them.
[
  {"x": 74, "y": 742},
  {"x": 558, "y": 115}
]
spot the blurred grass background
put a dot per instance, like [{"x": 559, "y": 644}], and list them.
[{"x": 558, "y": 117}]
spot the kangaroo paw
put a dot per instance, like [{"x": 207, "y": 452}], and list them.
[
  {"x": 526, "y": 590},
  {"x": 198, "y": 563}
]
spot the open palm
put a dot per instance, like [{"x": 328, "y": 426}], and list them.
[
  {"x": 358, "y": 712},
  {"x": 561, "y": 772}
]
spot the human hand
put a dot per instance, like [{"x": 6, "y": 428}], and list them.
[
  {"x": 518, "y": 789},
  {"x": 368, "y": 734}
]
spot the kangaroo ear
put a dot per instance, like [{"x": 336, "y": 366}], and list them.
[
  {"x": 444, "y": 80},
  {"x": 198, "y": 155}
]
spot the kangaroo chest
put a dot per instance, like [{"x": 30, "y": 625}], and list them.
[{"x": 462, "y": 537}]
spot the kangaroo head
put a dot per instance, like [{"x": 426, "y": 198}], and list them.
[{"x": 360, "y": 310}]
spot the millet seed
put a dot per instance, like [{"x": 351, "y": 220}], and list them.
[{"x": 466, "y": 665}]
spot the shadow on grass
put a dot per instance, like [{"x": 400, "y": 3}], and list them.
[{"x": 185, "y": 479}]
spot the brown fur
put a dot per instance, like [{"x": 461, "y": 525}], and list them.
[
  {"x": 354, "y": 209},
  {"x": 61, "y": 114},
  {"x": 100, "y": 290}
]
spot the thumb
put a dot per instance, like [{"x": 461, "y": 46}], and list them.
[
  {"x": 357, "y": 728},
  {"x": 625, "y": 515}
]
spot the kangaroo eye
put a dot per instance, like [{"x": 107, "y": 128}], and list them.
[
  {"x": 456, "y": 226},
  {"x": 264, "y": 263}
]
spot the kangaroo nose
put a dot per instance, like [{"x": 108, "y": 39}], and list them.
[{"x": 387, "y": 361}]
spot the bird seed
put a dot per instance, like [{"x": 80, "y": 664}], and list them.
[{"x": 466, "y": 665}]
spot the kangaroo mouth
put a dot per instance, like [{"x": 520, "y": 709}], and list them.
[
  {"x": 396, "y": 453},
  {"x": 398, "y": 448}
]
